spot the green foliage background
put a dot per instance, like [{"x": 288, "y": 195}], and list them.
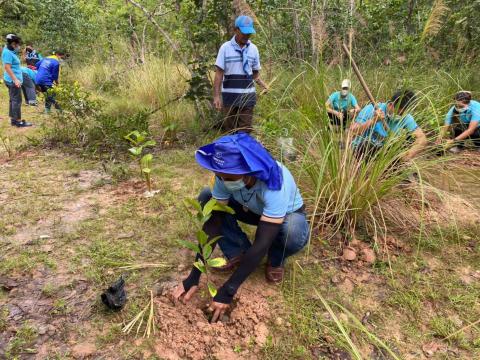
[{"x": 384, "y": 30}]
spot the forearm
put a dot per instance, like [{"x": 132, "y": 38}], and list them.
[
  {"x": 217, "y": 83},
  {"x": 266, "y": 234},
  {"x": 465, "y": 135},
  {"x": 258, "y": 80}
]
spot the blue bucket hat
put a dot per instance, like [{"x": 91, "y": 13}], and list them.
[
  {"x": 245, "y": 24},
  {"x": 240, "y": 154}
]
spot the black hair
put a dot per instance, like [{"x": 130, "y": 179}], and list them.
[
  {"x": 464, "y": 96},
  {"x": 13, "y": 38},
  {"x": 403, "y": 99}
]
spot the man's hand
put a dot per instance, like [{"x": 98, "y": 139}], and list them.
[
  {"x": 218, "y": 310},
  {"x": 217, "y": 102},
  {"x": 179, "y": 293},
  {"x": 339, "y": 115},
  {"x": 17, "y": 83},
  {"x": 449, "y": 143}
]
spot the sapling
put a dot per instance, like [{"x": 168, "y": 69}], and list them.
[
  {"x": 6, "y": 144},
  {"x": 140, "y": 141},
  {"x": 204, "y": 246}
]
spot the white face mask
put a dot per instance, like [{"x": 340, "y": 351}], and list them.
[
  {"x": 461, "y": 110},
  {"x": 344, "y": 92},
  {"x": 236, "y": 185}
]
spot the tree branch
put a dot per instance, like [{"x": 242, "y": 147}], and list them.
[{"x": 167, "y": 37}]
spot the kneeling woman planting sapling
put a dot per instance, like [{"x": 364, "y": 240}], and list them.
[{"x": 262, "y": 192}]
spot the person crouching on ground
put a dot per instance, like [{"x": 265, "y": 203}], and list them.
[
  {"x": 237, "y": 70},
  {"x": 28, "y": 86},
  {"x": 48, "y": 74},
  {"x": 262, "y": 192},
  {"x": 463, "y": 121},
  {"x": 370, "y": 130},
  {"x": 13, "y": 78},
  {"x": 342, "y": 105}
]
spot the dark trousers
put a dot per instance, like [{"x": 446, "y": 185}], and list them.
[
  {"x": 459, "y": 128},
  {"x": 237, "y": 119},
  {"x": 49, "y": 97},
  {"x": 28, "y": 88},
  {"x": 335, "y": 120},
  {"x": 293, "y": 235},
  {"x": 15, "y": 102}
]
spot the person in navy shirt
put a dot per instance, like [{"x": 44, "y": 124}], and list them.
[
  {"x": 32, "y": 56},
  {"x": 263, "y": 193},
  {"x": 463, "y": 121},
  {"x": 237, "y": 71},
  {"x": 342, "y": 105},
  {"x": 48, "y": 74},
  {"x": 13, "y": 78},
  {"x": 372, "y": 126}
]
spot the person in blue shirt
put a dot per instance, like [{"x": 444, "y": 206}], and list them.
[
  {"x": 48, "y": 74},
  {"x": 28, "y": 86},
  {"x": 463, "y": 121},
  {"x": 372, "y": 126},
  {"x": 13, "y": 78},
  {"x": 263, "y": 193},
  {"x": 342, "y": 105},
  {"x": 32, "y": 57},
  {"x": 237, "y": 69}
]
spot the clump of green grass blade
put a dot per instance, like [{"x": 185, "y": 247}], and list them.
[{"x": 357, "y": 325}]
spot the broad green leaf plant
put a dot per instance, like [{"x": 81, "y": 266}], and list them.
[
  {"x": 140, "y": 142},
  {"x": 204, "y": 246}
]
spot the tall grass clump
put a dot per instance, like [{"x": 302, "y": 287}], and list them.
[{"x": 345, "y": 191}]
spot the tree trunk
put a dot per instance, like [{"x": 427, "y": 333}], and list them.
[{"x": 298, "y": 33}]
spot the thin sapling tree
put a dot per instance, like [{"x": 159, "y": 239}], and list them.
[
  {"x": 204, "y": 246},
  {"x": 140, "y": 142}
]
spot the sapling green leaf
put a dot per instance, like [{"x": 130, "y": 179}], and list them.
[
  {"x": 216, "y": 262},
  {"x": 189, "y": 245},
  {"x": 208, "y": 208},
  {"x": 205, "y": 247},
  {"x": 212, "y": 289},
  {"x": 207, "y": 251},
  {"x": 200, "y": 266},
  {"x": 202, "y": 237}
]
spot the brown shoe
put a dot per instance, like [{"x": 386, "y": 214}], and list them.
[
  {"x": 274, "y": 274},
  {"x": 230, "y": 265}
]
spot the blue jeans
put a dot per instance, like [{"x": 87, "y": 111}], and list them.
[{"x": 293, "y": 235}]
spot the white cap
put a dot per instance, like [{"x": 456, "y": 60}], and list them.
[{"x": 346, "y": 84}]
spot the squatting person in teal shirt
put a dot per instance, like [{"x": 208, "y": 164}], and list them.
[
  {"x": 263, "y": 193},
  {"x": 13, "y": 78},
  {"x": 463, "y": 122},
  {"x": 370, "y": 128},
  {"x": 342, "y": 106}
]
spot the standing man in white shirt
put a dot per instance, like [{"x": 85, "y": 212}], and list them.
[{"x": 237, "y": 71}]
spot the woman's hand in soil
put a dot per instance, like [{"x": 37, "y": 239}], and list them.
[
  {"x": 218, "y": 310},
  {"x": 179, "y": 293}
]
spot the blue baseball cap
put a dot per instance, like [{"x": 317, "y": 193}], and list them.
[{"x": 245, "y": 24}]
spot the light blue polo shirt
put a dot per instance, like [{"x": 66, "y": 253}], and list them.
[
  {"x": 471, "y": 114},
  {"x": 340, "y": 103},
  {"x": 10, "y": 57},
  {"x": 378, "y": 133},
  {"x": 261, "y": 200},
  {"x": 238, "y": 87},
  {"x": 29, "y": 72}
]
